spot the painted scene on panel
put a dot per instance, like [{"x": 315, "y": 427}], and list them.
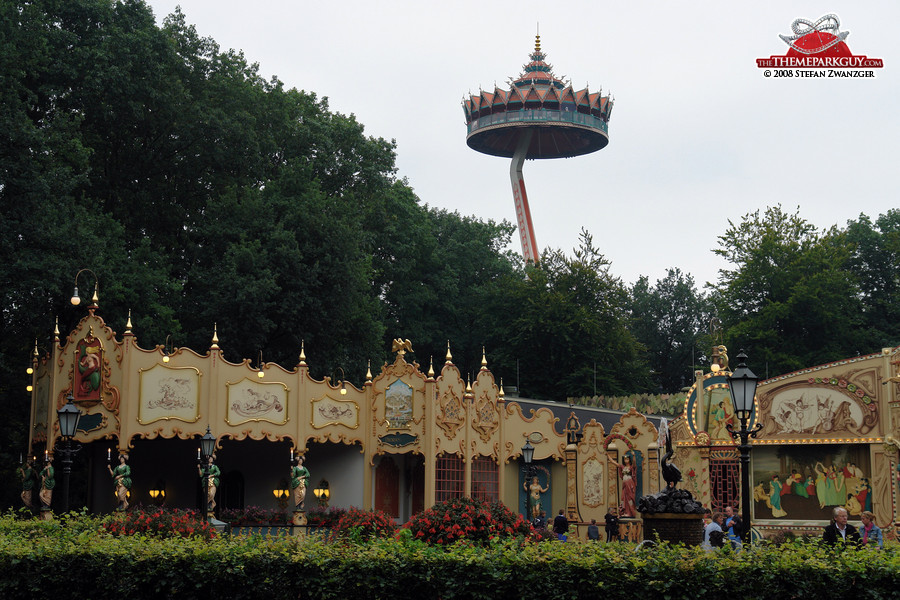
[{"x": 807, "y": 482}]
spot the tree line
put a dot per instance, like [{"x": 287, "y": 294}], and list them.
[{"x": 201, "y": 193}]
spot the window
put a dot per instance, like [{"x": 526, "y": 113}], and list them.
[
  {"x": 725, "y": 483},
  {"x": 485, "y": 485},
  {"x": 449, "y": 477}
]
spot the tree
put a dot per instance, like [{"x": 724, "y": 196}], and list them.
[
  {"x": 875, "y": 259},
  {"x": 669, "y": 318},
  {"x": 791, "y": 299},
  {"x": 563, "y": 327}
]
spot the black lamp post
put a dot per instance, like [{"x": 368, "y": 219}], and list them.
[
  {"x": 68, "y": 424},
  {"x": 207, "y": 447},
  {"x": 528, "y": 469},
  {"x": 742, "y": 387}
]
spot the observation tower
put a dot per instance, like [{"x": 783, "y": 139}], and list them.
[{"x": 539, "y": 116}]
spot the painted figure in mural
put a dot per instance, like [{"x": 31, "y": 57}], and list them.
[
  {"x": 629, "y": 484},
  {"x": 821, "y": 484},
  {"x": 798, "y": 486},
  {"x": 122, "y": 480},
  {"x": 26, "y": 472},
  {"x": 299, "y": 483},
  {"x": 864, "y": 494},
  {"x": 47, "y": 484},
  {"x": 775, "y": 497},
  {"x": 211, "y": 480},
  {"x": 835, "y": 487},
  {"x": 720, "y": 417},
  {"x": 534, "y": 496},
  {"x": 852, "y": 505},
  {"x": 89, "y": 368}
]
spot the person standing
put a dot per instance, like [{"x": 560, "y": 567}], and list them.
[
  {"x": 733, "y": 527},
  {"x": 840, "y": 530},
  {"x": 561, "y": 526},
  {"x": 593, "y": 532},
  {"x": 712, "y": 533},
  {"x": 612, "y": 525}
]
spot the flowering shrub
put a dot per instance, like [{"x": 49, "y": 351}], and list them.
[
  {"x": 254, "y": 514},
  {"x": 465, "y": 518},
  {"x": 361, "y": 525},
  {"x": 158, "y": 522},
  {"x": 324, "y": 517}
]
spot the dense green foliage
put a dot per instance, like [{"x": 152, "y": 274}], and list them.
[
  {"x": 202, "y": 194},
  {"x": 102, "y": 566},
  {"x": 797, "y": 296}
]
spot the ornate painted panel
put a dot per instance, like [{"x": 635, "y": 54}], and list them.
[
  {"x": 249, "y": 400},
  {"x": 169, "y": 393},
  {"x": 327, "y": 411}
]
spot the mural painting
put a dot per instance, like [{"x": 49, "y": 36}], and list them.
[
  {"x": 807, "y": 482},
  {"x": 720, "y": 413},
  {"x": 398, "y": 405}
]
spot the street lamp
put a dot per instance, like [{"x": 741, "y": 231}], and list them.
[
  {"x": 742, "y": 387},
  {"x": 76, "y": 299},
  {"x": 68, "y": 424},
  {"x": 207, "y": 447},
  {"x": 528, "y": 468}
]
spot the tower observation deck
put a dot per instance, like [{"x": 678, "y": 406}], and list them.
[{"x": 538, "y": 117}]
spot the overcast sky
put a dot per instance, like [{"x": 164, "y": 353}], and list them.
[{"x": 698, "y": 136}]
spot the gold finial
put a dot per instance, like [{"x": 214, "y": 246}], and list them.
[
  {"x": 483, "y": 360},
  {"x": 537, "y": 40},
  {"x": 430, "y": 365},
  {"x": 95, "y": 298},
  {"x": 501, "y": 395},
  {"x": 369, "y": 370},
  {"x": 468, "y": 384},
  {"x": 215, "y": 339},
  {"x": 449, "y": 357},
  {"x": 302, "y": 353},
  {"x": 128, "y": 322},
  {"x": 56, "y": 329},
  {"x": 35, "y": 349}
]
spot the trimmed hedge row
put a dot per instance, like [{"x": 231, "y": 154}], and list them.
[{"x": 71, "y": 558}]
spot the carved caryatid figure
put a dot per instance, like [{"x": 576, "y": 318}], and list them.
[
  {"x": 122, "y": 480},
  {"x": 534, "y": 490},
  {"x": 299, "y": 483}
]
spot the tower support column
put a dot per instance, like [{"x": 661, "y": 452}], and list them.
[{"x": 523, "y": 213}]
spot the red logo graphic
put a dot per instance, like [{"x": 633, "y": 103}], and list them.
[{"x": 818, "y": 45}]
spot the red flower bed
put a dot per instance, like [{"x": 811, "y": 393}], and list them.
[
  {"x": 362, "y": 525},
  {"x": 160, "y": 523},
  {"x": 468, "y": 519}
]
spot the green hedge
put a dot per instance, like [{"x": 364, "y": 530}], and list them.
[{"x": 70, "y": 558}]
